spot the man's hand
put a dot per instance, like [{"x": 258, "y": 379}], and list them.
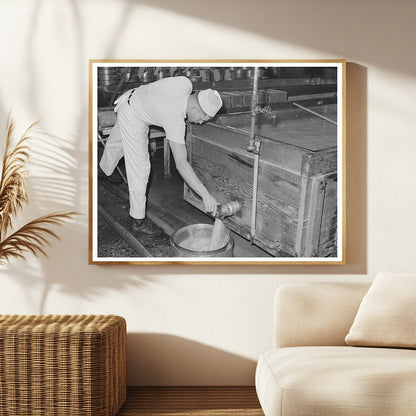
[{"x": 210, "y": 204}]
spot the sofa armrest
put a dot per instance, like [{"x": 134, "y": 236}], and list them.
[{"x": 315, "y": 313}]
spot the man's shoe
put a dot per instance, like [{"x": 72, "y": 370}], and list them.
[
  {"x": 145, "y": 226},
  {"x": 115, "y": 178}
]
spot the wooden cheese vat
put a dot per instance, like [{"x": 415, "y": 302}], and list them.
[{"x": 297, "y": 178}]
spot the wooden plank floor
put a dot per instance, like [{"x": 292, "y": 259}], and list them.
[{"x": 191, "y": 401}]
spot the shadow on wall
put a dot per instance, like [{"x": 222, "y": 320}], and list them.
[
  {"x": 355, "y": 31},
  {"x": 37, "y": 286},
  {"x": 161, "y": 359},
  {"x": 79, "y": 83},
  {"x": 58, "y": 184},
  {"x": 64, "y": 184},
  {"x": 53, "y": 188},
  {"x": 332, "y": 27}
]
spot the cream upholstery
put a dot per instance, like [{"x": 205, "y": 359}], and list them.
[
  {"x": 337, "y": 381},
  {"x": 304, "y": 375},
  {"x": 387, "y": 314},
  {"x": 315, "y": 314}
]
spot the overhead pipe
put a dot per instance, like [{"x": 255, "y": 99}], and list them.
[
  {"x": 255, "y": 187},
  {"x": 254, "y": 147},
  {"x": 251, "y": 147}
]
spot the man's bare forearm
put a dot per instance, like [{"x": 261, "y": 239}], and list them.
[{"x": 188, "y": 174}]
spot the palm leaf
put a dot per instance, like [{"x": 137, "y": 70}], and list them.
[
  {"x": 32, "y": 237},
  {"x": 12, "y": 184}
]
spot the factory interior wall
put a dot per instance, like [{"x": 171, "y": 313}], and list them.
[{"x": 203, "y": 325}]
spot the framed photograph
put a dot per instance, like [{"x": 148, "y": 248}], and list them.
[{"x": 217, "y": 162}]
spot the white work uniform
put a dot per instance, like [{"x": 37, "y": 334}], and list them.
[{"x": 161, "y": 103}]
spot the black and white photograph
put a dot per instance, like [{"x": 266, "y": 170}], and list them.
[{"x": 225, "y": 162}]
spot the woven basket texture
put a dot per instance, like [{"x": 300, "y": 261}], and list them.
[{"x": 56, "y": 365}]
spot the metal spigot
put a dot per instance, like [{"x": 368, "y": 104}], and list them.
[{"x": 228, "y": 209}]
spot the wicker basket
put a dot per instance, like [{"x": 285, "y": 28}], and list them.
[{"x": 54, "y": 365}]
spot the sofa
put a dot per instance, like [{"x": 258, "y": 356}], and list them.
[{"x": 342, "y": 349}]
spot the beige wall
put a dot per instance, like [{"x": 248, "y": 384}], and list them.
[{"x": 204, "y": 325}]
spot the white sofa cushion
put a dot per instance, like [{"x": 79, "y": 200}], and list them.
[
  {"x": 387, "y": 314},
  {"x": 315, "y": 314},
  {"x": 337, "y": 381}
]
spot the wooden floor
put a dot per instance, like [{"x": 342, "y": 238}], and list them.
[{"x": 191, "y": 401}]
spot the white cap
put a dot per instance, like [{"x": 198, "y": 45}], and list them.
[{"x": 210, "y": 101}]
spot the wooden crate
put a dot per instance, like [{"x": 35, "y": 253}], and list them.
[{"x": 297, "y": 186}]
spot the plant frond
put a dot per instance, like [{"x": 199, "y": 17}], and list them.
[
  {"x": 12, "y": 184},
  {"x": 33, "y": 237}
]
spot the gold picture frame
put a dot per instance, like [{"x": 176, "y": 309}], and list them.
[{"x": 273, "y": 157}]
